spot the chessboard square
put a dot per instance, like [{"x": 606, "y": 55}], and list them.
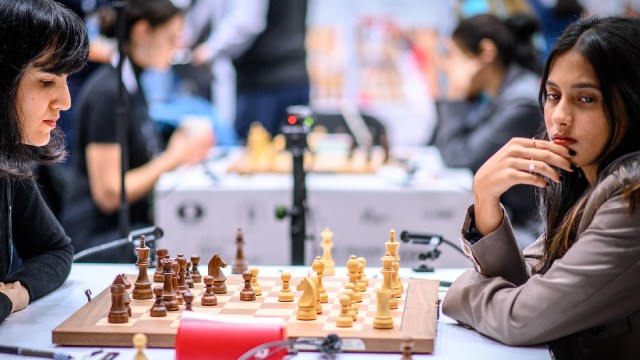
[
  {"x": 266, "y": 283},
  {"x": 140, "y": 309},
  {"x": 321, "y": 318},
  {"x": 175, "y": 324},
  {"x": 171, "y": 316},
  {"x": 397, "y": 321},
  {"x": 224, "y": 298},
  {"x": 331, "y": 326},
  {"x": 242, "y": 305},
  {"x": 334, "y": 312},
  {"x": 105, "y": 322},
  {"x": 274, "y": 312},
  {"x": 272, "y": 300}
]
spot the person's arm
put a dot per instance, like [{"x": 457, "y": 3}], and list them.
[
  {"x": 237, "y": 30},
  {"x": 103, "y": 167},
  {"x": 576, "y": 293},
  {"x": 462, "y": 146},
  {"x": 40, "y": 242}
]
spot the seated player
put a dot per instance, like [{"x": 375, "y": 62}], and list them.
[
  {"x": 577, "y": 287},
  {"x": 42, "y": 43},
  {"x": 91, "y": 215}
]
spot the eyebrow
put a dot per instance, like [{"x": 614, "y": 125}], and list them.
[{"x": 578, "y": 85}]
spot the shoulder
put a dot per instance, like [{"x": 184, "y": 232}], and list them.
[{"x": 609, "y": 190}]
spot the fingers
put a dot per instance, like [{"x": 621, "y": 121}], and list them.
[{"x": 542, "y": 151}]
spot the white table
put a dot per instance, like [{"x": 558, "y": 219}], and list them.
[
  {"x": 201, "y": 213},
  {"x": 31, "y": 328}
]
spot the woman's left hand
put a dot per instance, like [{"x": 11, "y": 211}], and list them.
[{"x": 18, "y": 294}]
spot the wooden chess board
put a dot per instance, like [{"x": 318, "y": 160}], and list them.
[{"x": 415, "y": 317}]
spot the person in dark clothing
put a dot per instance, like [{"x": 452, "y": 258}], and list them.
[
  {"x": 91, "y": 215},
  {"x": 267, "y": 44},
  {"x": 41, "y": 43},
  {"x": 491, "y": 97}
]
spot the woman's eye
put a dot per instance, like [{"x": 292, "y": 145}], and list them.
[
  {"x": 552, "y": 97},
  {"x": 586, "y": 99},
  {"x": 48, "y": 83}
]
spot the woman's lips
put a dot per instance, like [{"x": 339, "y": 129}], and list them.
[
  {"x": 51, "y": 123},
  {"x": 564, "y": 140}
]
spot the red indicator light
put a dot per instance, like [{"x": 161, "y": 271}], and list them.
[{"x": 291, "y": 119}]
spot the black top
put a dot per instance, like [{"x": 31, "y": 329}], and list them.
[
  {"x": 28, "y": 225},
  {"x": 95, "y": 122},
  {"x": 278, "y": 56}
]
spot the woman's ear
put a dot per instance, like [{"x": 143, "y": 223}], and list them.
[
  {"x": 488, "y": 51},
  {"x": 140, "y": 31}
]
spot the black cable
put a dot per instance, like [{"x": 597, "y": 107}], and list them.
[
  {"x": 328, "y": 346},
  {"x": 454, "y": 246}
]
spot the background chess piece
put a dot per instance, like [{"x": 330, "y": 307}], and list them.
[
  {"x": 255, "y": 285},
  {"x": 327, "y": 244},
  {"x": 158, "y": 309},
  {"x": 239, "y": 264},
  {"x": 160, "y": 254},
  {"x": 140, "y": 343},
  {"x": 308, "y": 300},
  {"x": 209, "y": 298}
]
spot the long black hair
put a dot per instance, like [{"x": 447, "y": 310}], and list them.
[
  {"x": 513, "y": 37},
  {"x": 44, "y": 34},
  {"x": 156, "y": 12},
  {"x": 611, "y": 46}
]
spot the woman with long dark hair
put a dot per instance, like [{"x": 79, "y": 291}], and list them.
[
  {"x": 41, "y": 43},
  {"x": 577, "y": 287},
  {"x": 492, "y": 75}
]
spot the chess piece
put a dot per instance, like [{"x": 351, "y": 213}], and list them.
[
  {"x": 174, "y": 281},
  {"x": 182, "y": 272},
  {"x": 387, "y": 273},
  {"x": 239, "y": 264},
  {"x": 188, "y": 279},
  {"x": 318, "y": 267},
  {"x": 349, "y": 289},
  {"x": 247, "y": 293},
  {"x": 118, "y": 313},
  {"x": 345, "y": 318},
  {"x": 327, "y": 244},
  {"x": 142, "y": 286},
  {"x": 168, "y": 295},
  {"x": 383, "y": 319},
  {"x": 285, "y": 295},
  {"x": 362, "y": 285},
  {"x": 125, "y": 281},
  {"x": 215, "y": 264},
  {"x": 255, "y": 285},
  {"x": 195, "y": 273},
  {"x": 352, "y": 266},
  {"x": 188, "y": 299},
  {"x": 122, "y": 280},
  {"x": 364, "y": 279},
  {"x": 158, "y": 309},
  {"x": 140, "y": 343},
  {"x": 308, "y": 300},
  {"x": 160, "y": 254},
  {"x": 406, "y": 347},
  {"x": 209, "y": 298},
  {"x": 396, "y": 283},
  {"x": 392, "y": 248}
]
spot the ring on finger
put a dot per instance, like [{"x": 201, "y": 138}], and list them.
[{"x": 532, "y": 167}]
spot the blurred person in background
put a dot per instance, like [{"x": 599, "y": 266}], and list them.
[
  {"x": 266, "y": 40},
  {"x": 491, "y": 96},
  {"x": 90, "y": 216}
]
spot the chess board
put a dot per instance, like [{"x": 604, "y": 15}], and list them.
[{"x": 415, "y": 317}]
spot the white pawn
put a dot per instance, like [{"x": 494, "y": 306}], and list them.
[
  {"x": 254, "y": 281},
  {"x": 140, "y": 343},
  {"x": 345, "y": 319},
  {"x": 285, "y": 295}
]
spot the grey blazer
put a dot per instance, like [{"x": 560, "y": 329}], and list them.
[{"x": 586, "y": 306}]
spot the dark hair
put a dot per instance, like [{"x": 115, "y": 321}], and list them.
[
  {"x": 156, "y": 12},
  {"x": 511, "y": 36},
  {"x": 610, "y": 46},
  {"x": 46, "y": 35}
]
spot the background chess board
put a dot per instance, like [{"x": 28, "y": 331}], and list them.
[{"x": 415, "y": 317}]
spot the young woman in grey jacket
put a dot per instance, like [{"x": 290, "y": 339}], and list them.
[{"x": 577, "y": 287}]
